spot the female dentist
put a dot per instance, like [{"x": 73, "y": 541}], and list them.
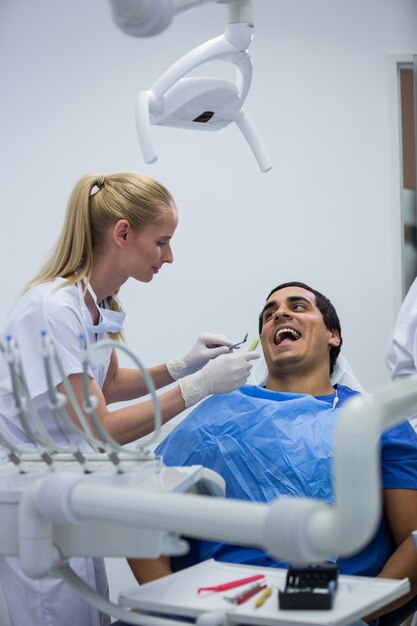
[{"x": 117, "y": 226}]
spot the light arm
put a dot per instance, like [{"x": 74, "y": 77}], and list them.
[
  {"x": 142, "y": 18},
  {"x": 254, "y": 140},
  {"x": 145, "y": 18}
]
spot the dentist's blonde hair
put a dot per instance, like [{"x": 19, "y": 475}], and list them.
[{"x": 95, "y": 204}]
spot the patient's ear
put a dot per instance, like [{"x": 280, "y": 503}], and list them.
[{"x": 334, "y": 338}]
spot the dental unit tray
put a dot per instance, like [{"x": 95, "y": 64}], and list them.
[
  {"x": 176, "y": 595},
  {"x": 312, "y": 587}
]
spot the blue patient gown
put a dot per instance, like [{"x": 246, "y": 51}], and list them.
[{"x": 268, "y": 444}]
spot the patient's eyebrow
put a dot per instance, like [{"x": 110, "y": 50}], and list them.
[
  {"x": 289, "y": 300},
  {"x": 268, "y": 305},
  {"x": 299, "y": 299}
]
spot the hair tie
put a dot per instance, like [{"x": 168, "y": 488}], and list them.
[{"x": 97, "y": 186}]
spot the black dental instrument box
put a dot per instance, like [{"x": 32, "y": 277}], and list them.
[{"x": 310, "y": 587}]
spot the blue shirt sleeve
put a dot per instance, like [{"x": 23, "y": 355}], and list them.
[{"x": 399, "y": 457}]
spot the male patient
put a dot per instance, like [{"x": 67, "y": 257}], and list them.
[{"x": 278, "y": 440}]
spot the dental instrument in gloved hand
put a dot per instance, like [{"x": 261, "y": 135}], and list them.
[
  {"x": 207, "y": 347},
  {"x": 237, "y": 345},
  {"x": 226, "y": 373}
]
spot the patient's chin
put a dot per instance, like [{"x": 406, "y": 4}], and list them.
[{"x": 282, "y": 361}]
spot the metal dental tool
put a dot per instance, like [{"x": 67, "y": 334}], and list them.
[{"x": 237, "y": 345}]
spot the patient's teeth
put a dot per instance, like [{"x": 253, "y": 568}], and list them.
[{"x": 291, "y": 331}]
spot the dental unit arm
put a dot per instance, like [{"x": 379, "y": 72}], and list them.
[
  {"x": 197, "y": 103},
  {"x": 51, "y": 512}
]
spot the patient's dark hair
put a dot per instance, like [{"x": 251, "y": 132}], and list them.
[{"x": 326, "y": 308}]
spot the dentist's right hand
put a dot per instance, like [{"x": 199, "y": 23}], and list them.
[{"x": 221, "y": 375}]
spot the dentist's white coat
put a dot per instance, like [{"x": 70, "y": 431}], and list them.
[{"x": 47, "y": 602}]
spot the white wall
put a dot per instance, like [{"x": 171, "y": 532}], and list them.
[{"x": 323, "y": 98}]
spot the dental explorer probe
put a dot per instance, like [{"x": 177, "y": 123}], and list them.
[{"x": 237, "y": 345}]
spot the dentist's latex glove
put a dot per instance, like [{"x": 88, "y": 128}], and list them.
[
  {"x": 206, "y": 347},
  {"x": 226, "y": 373}
]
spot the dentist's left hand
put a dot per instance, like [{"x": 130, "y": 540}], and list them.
[
  {"x": 207, "y": 347},
  {"x": 227, "y": 373}
]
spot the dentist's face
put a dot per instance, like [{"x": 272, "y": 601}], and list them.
[
  {"x": 294, "y": 336},
  {"x": 150, "y": 247}
]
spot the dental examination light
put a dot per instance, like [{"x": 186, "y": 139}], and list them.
[
  {"x": 52, "y": 512},
  {"x": 198, "y": 102}
]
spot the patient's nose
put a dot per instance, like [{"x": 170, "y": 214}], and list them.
[{"x": 281, "y": 311}]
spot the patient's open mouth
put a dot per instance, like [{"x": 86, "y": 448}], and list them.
[{"x": 286, "y": 335}]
